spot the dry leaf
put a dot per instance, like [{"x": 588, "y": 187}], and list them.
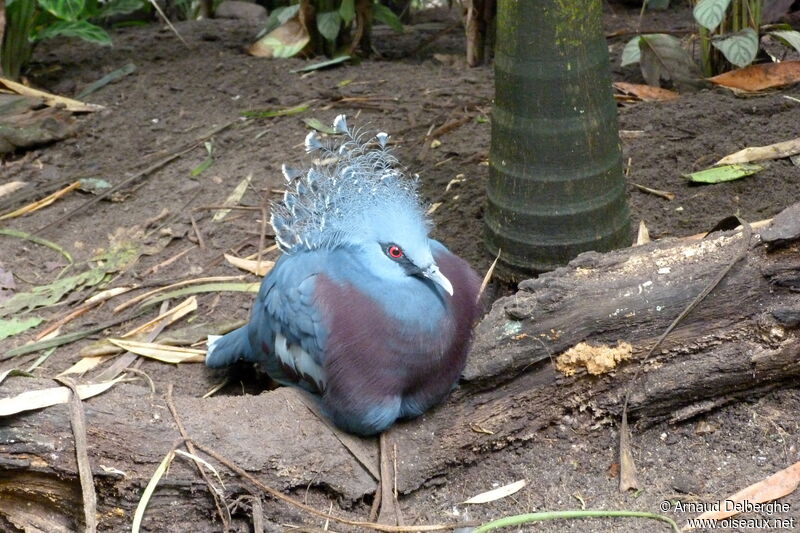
[
  {"x": 84, "y": 365},
  {"x": 234, "y": 198},
  {"x": 643, "y": 235},
  {"x": 760, "y": 77},
  {"x": 37, "y": 399},
  {"x": 498, "y": 493},
  {"x": 286, "y": 40},
  {"x": 51, "y": 100},
  {"x": 646, "y": 93},
  {"x": 107, "y": 294},
  {"x": 8, "y": 188},
  {"x": 174, "y": 314},
  {"x": 259, "y": 268},
  {"x": 434, "y": 206},
  {"x": 44, "y": 202},
  {"x": 162, "y": 352},
  {"x": 760, "y": 153},
  {"x": 775, "y": 486},
  {"x": 183, "y": 283},
  {"x": 112, "y": 470}
]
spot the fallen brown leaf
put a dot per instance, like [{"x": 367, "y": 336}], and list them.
[
  {"x": 646, "y": 93},
  {"x": 775, "y": 486},
  {"x": 760, "y": 77}
]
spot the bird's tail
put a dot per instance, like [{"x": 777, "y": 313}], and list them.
[{"x": 227, "y": 349}]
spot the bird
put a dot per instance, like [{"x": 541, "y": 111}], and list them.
[{"x": 362, "y": 309}]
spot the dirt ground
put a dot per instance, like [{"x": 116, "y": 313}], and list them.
[{"x": 178, "y": 93}]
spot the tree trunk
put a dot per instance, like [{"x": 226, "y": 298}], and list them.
[
  {"x": 475, "y": 28},
  {"x": 555, "y": 177},
  {"x": 741, "y": 341}
]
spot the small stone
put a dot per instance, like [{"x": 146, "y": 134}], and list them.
[
  {"x": 237, "y": 9},
  {"x": 687, "y": 485}
]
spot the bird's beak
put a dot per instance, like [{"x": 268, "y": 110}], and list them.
[{"x": 433, "y": 274}]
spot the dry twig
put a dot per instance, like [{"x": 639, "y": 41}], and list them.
[
  {"x": 78, "y": 422},
  {"x": 219, "y": 499}
]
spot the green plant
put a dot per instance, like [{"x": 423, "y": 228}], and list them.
[
  {"x": 728, "y": 34},
  {"x": 31, "y": 21},
  {"x": 332, "y": 27}
]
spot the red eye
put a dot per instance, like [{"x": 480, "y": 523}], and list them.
[{"x": 394, "y": 251}]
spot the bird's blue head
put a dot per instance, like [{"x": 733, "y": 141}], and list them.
[{"x": 355, "y": 197}]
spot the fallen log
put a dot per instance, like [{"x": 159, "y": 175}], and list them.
[{"x": 566, "y": 344}]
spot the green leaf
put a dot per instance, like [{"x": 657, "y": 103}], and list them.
[
  {"x": 281, "y": 49},
  {"x": 387, "y": 16},
  {"x": 323, "y": 64},
  {"x": 81, "y": 28},
  {"x": 94, "y": 185},
  {"x": 709, "y": 13},
  {"x": 328, "y": 24},
  {"x": 16, "y": 325},
  {"x": 120, "y": 7},
  {"x": 105, "y": 80},
  {"x": 64, "y": 9},
  {"x": 278, "y": 16},
  {"x": 49, "y": 294},
  {"x": 347, "y": 10},
  {"x": 631, "y": 53},
  {"x": 207, "y": 162},
  {"x": 657, "y": 5},
  {"x": 269, "y": 113},
  {"x": 316, "y": 124},
  {"x": 739, "y": 48},
  {"x": 723, "y": 173},
  {"x": 663, "y": 57},
  {"x": 788, "y": 37},
  {"x": 199, "y": 289},
  {"x": 38, "y": 240}
]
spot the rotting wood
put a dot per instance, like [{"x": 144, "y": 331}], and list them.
[{"x": 741, "y": 341}]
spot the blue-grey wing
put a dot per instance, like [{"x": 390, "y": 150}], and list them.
[{"x": 286, "y": 328}]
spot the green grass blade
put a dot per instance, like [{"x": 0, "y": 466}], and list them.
[
  {"x": 38, "y": 240},
  {"x": 269, "y": 113},
  {"x": 569, "y": 515},
  {"x": 208, "y": 287},
  {"x": 138, "y": 515}
]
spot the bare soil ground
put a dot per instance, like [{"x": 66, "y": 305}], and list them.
[{"x": 178, "y": 93}]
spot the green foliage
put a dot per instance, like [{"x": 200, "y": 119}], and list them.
[
  {"x": 334, "y": 22},
  {"x": 788, "y": 37},
  {"x": 31, "y": 21},
  {"x": 387, "y": 16},
  {"x": 64, "y": 9},
  {"x": 328, "y": 24},
  {"x": 82, "y": 29},
  {"x": 709, "y": 13},
  {"x": 279, "y": 16},
  {"x": 728, "y": 35},
  {"x": 739, "y": 48},
  {"x": 347, "y": 10},
  {"x": 723, "y": 173},
  {"x": 16, "y": 48},
  {"x": 656, "y": 5}
]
